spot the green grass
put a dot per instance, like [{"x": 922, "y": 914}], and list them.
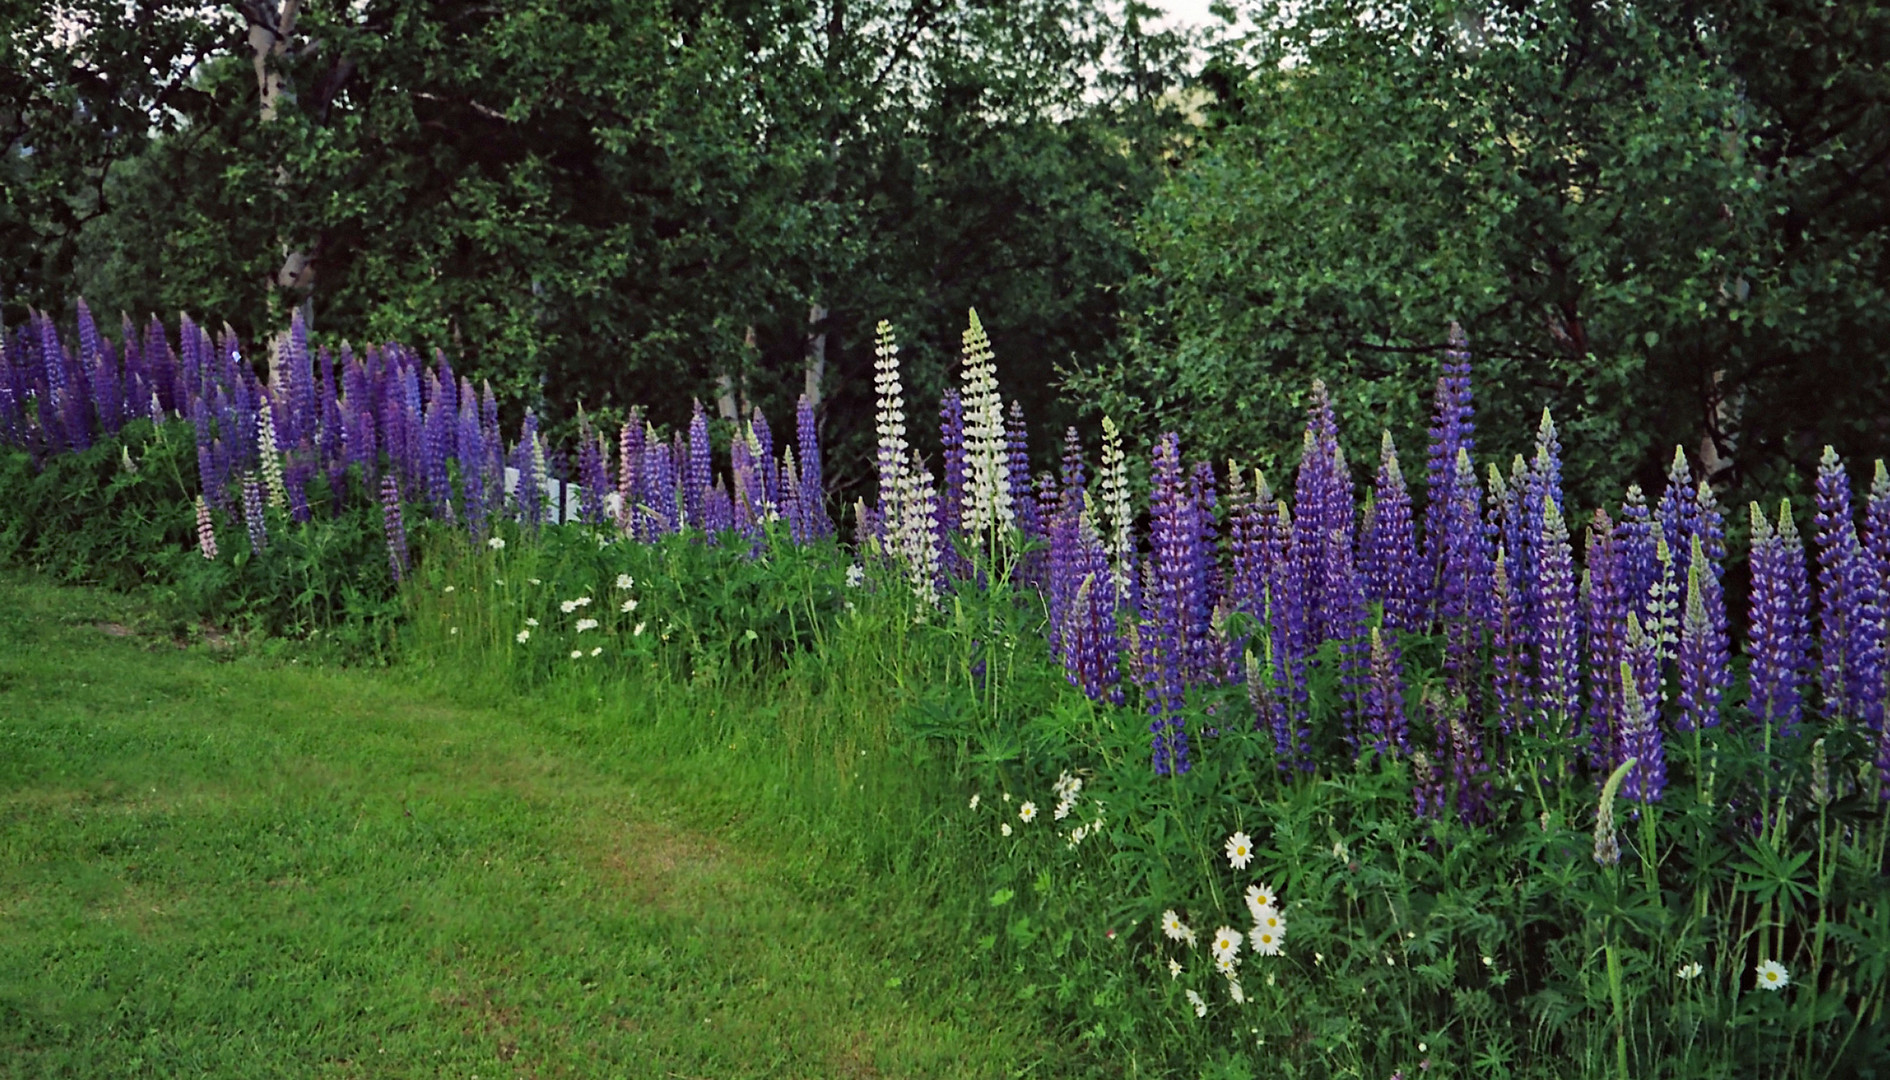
[{"x": 216, "y": 862}]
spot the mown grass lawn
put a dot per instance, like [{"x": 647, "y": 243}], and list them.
[{"x": 219, "y": 862}]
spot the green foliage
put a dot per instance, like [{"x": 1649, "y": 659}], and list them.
[
  {"x": 121, "y": 514},
  {"x": 1618, "y": 203}
]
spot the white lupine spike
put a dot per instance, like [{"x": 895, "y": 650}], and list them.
[
  {"x": 892, "y": 424},
  {"x": 1115, "y": 497},
  {"x": 271, "y": 459},
  {"x": 988, "y": 494},
  {"x": 917, "y": 542}
]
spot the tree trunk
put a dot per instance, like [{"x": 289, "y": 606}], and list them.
[{"x": 816, "y": 353}]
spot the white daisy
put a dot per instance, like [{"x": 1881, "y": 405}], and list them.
[
  {"x": 1265, "y": 942},
  {"x": 1227, "y": 965},
  {"x": 524, "y": 636},
  {"x": 533, "y": 581},
  {"x": 1226, "y": 943},
  {"x": 499, "y": 581},
  {"x": 586, "y": 624},
  {"x": 450, "y": 588},
  {"x": 582, "y": 601},
  {"x": 577, "y": 654},
  {"x": 1269, "y": 919},
  {"x": 531, "y": 622},
  {"x": 1239, "y": 850},
  {"x": 1771, "y": 975},
  {"x": 628, "y": 606},
  {"x": 1173, "y": 926},
  {"x": 496, "y": 543},
  {"x": 1174, "y": 969},
  {"x": 1005, "y": 828},
  {"x": 638, "y": 630},
  {"x": 974, "y": 800},
  {"x": 1200, "y": 1007},
  {"x": 625, "y": 581},
  {"x": 1689, "y": 972},
  {"x": 597, "y": 650},
  {"x": 453, "y": 630},
  {"x": 1062, "y": 809},
  {"x": 1260, "y": 898},
  {"x": 567, "y": 606},
  {"x": 1027, "y": 812}
]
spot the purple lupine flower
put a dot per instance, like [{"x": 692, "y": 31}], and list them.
[
  {"x": 471, "y": 451},
  {"x": 1388, "y": 546},
  {"x": 1384, "y": 699},
  {"x": 592, "y": 481},
  {"x": 1345, "y": 624},
  {"x": 1607, "y": 606},
  {"x": 1023, "y": 497},
  {"x": 440, "y": 435},
  {"x": 1679, "y": 511},
  {"x": 1637, "y": 535},
  {"x": 1092, "y": 652},
  {"x": 529, "y": 493},
  {"x": 1843, "y": 596},
  {"x": 108, "y": 400},
  {"x": 161, "y": 367},
  {"x": 1165, "y": 632},
  {"x": 662, "y": 499},
  {"x": 395, "y": 525},
  {"x": 1640, "y": 731},
  {"x": 300, "y": 383},
  {"x": 718, "y": 511},
  {"x": 1065, "y": 569},
  {"x": 812, "y": 482},
  {"x": 1507, "y": 658},
  {"x": 1556, "y": 626},
  {"x": 1203, "y": 665},
  {"x": 1289, "y": 648},
  {"x": 768, "y": 469},
  {"x": 1704, "y": 664},
  {"x": 951, "y": 411},
  {"x": 1322, "y": 503},
  {"x": 697, "y": 466},
  {"x": 253, "y": 518},
  {"x": 1458, "y": 743},
  {"x": 629, "y": 467},
  {"x": 1249, "y": 542},
  {"x": 1781, "y": 623},
  {"x": 328, "y": 410},
  {"x": 1464, "y": 586},
  {"x": 1452, "y": 421}
]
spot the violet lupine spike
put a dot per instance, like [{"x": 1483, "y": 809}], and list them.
[
  {"x": 1452, "y": 417},
  {"x": 1780, "y": 620},
  {"x": 1607, "y": 606},
  {"x": 471, "y": 452},
  {"x": 1703, "y": 673},
  {"x": 253, "y": 518},
  {"x": 1091, "y": 650},
  {"x": 1165, "y": 632},
  {"x": 1506, "y": 650},
  {"x": 768, "y": 468},
  {"x": 1203, "y": 664},
  {"x": 697, "y": 466},
  {"x": 1679, "y": 510},
  {"x": 1345, "y": 624},
  {"x": 1384, "y": 709},
  {"x": 1024, "y": 506},
  {"x": 1389, "y": 546},
  {"x": 1322, "y": 503},
  {"x": 1875, "y": 572},
  {"x": 1288, "y": 650},
  {"x": 951, "y": 410},
  {"x": 812, "y": 481},
  {"x": 629, "y": 464},
  {"x": 438, "y": 433},
  {"x": 529, "y": 493},
  {"x": 394, "y": 525},
  {"x": 330, "y": 433},
  {"x": 1637, "y": 535},
  {"x": 591, "y": 476},
  {"x": 1640, "y": 734},
  {"x": 1842, "y": 598},
  {"x": 1557, "y": 624},
  {"x": 1464, "y": 593}
]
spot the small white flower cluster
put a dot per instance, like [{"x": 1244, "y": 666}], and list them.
[
  {"x": 586, "y": 624},
  {"x": 625, "y": 582},
  {"x": 1267, "y": 937},
  {"x": 496, "y": 543},
  {"x": 988, "y": 488},
  {"x": 568, "y": 606}
]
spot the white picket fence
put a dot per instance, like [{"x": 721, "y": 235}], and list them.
[{"x": 561, "y": 499}]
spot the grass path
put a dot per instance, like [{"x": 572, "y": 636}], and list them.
[{"x": 247, "y": 867}]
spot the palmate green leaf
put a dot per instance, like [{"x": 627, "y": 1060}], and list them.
[{"x": 1775, "y": 876}]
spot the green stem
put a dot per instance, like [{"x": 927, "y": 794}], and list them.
[{"x": 1620, "y": 1007}]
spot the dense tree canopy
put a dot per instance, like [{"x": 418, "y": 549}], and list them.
[
  {"x": 1667, "y": 222},
  {"x": 601, "y": 202}
]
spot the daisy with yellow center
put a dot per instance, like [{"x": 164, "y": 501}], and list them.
[
  {"x": 1772, "y": 976},
  {"x": 1226, "y": 943},
  {"x": 1261, "y": 898},
  {"x": 1269, "y": 919},
  {"x": 1173, "y": 926},
  {"x": 1265, "y": 942},
  {"x": 1027, "y": 811},
  {"x": 1240, "y": 850}
]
